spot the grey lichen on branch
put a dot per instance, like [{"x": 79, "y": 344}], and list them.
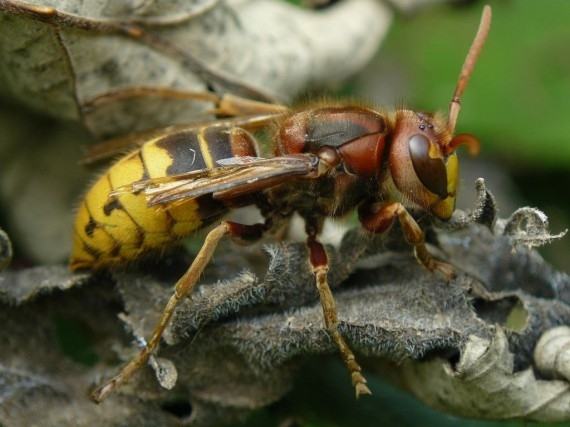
[{"x": 237, "y": 343}]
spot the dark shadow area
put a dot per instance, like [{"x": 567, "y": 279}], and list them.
[
  {"x": 507, "y": 312},
  {"x": 180, "y": 408}
]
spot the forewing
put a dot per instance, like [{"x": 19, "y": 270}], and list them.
[{"x": 234, "y": 177}]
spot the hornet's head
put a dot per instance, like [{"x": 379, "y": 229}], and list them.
[{"x": 423, "y": 165}]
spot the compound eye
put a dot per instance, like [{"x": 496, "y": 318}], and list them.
[{"x": 431, "y": 172}]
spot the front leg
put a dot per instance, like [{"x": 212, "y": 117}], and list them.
[{"x": 379, "y": 217}]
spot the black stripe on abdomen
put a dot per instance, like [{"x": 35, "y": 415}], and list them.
[
  {"x": 184, "y": 150},
  {"x": 219, "y": 142}
]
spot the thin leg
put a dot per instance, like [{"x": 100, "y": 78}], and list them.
[
  {"x": 235, "y": 106},
  {"x": 183, "y": 287},
  {"x": 319, "y": 263},
  {"x": 378, "y": 218}
]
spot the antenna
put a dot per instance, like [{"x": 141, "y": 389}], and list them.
[{"x": 468, "y": 65}]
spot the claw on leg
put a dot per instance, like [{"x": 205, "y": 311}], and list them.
[
  {"x": 379, "y": 217},
  {"x": 319, "y": 262},
  {"x": 183, "y": 287},
  {"x": 433, "y": 264}
]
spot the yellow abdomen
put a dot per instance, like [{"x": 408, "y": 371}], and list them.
[{"x": 113, "y": 230}]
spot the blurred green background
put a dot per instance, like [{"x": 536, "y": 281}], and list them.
[
  {"x": 518, "y": 105},
  {"x": 518, "y": 98}
]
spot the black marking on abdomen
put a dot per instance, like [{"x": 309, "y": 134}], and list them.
[
  {"x": 93, "y": 252},
  {"x": 115, "y": 251},
  {"x": 184, "y": 150},
  {"x": 112, "y": 204},
  {"x": 145, "y": 169},
  {"x": 90, "y": 227},
  {"x": 219, "y": 142},
  {"x": 99, "y": 226}
]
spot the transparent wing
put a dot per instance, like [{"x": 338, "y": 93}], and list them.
[
  {"x": 106, "y": 150},
  {"x": 234, "y": 177}
]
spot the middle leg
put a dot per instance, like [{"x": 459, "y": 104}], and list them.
[{"x": 320, "y": 266}]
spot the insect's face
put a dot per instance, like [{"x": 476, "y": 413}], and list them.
[{"x": 421, "y": 170}]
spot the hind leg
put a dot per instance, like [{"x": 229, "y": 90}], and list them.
[{"x": 183, "y": 288}]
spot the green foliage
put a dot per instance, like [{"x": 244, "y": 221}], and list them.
[
  {"x": 518, "y": 98},
  {"x": 75, "y": 340}
]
